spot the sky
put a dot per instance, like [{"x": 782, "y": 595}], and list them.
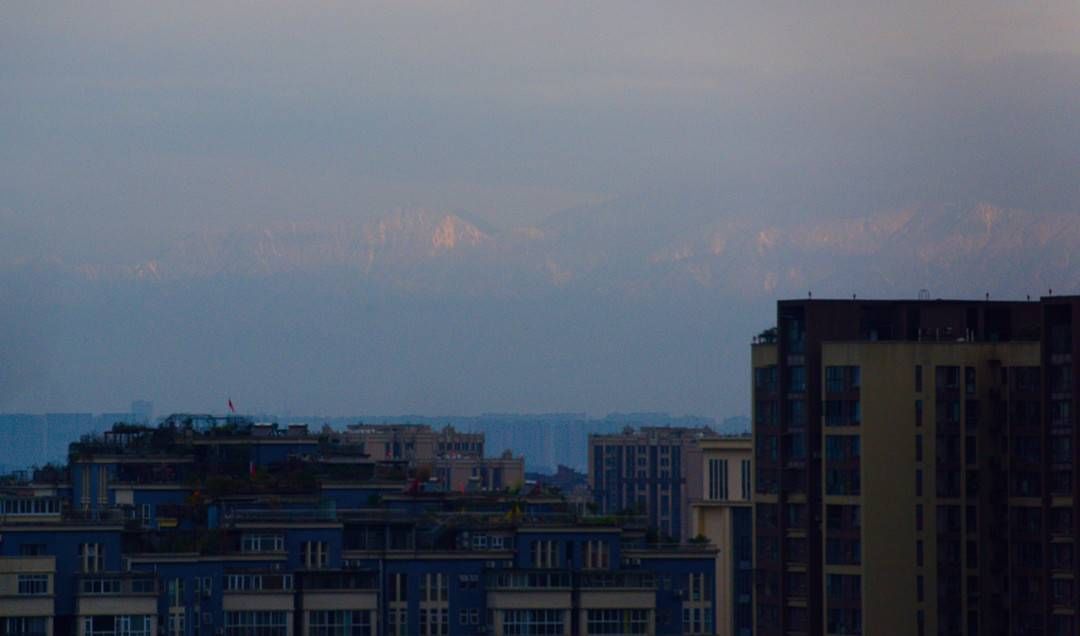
[{"x": 127, "y": 128}]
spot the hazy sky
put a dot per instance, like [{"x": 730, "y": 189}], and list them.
[{"x": 125, "y": 127}]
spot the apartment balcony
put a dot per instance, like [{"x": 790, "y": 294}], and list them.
[
  {"x": 117, "y": 594},
  {"x": 30, "y": 597},
  {"x": 258, "y": 590},
  {"x": 617, "y": 580},
  {"x": 530, "y": 589},
  {"x": 601, "y": 590},
  {"x": 339, "y": 590}
]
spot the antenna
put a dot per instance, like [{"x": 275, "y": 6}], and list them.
[{"x": 924, "y": 294}]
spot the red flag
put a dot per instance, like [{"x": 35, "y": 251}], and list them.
[{"x": 232, "y": 409}]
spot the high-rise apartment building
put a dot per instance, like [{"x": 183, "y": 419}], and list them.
[
  {"x": 914, "y": 468},
  {"x": 651, "y": 471},
  {"x": 723, "y": 515}
]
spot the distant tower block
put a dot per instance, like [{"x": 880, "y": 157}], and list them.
[{"x": 143, "y": 411}]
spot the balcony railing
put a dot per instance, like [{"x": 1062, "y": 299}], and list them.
[
  {"x": 538, "y": 580},
  {"x": 530, "y": 580},
  {"x": 618, "y": 580},
  {"x": 117, "y": 584},
  {"x": 339, "y": 581},
  {"x": 297, "y": 515}
]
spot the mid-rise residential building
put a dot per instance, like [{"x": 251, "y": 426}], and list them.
[
  {"x": 446, "y": 458},
  {"x": 723, "y": 515},
  {"x": 914, "y": 468},
  {"x": 413, "y": 442},
  {"x": 207, "y": 527},
  {"x": 651, "y": 471}
]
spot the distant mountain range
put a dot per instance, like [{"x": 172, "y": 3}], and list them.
[
  {"x": 639, "y": 248},
  {"x": 641, "y": 303}
]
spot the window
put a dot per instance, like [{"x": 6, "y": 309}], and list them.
[
  {"x": 110, "y": 625},
  {"x": 768, "y": 447},
  {"x": 175, "y": 592},
  {"x": 767, "y": 516},
  {"x": 470, "y": 616},
  {"x": 98, "y": 586},
  {"x": 91, "y": 557},
  {"x": 434, "y": 621},
  {"x": 795, "y": 583},
  {"x": 175, "y": 625},
  {"x": 947, "y": 378},
  {"x": 103, "y": 484},
  {"x": 745, "y": 479},
  {"x": 796, "y": 413},
  {"x": 843, "y": 587},
  {"x": 255, "y": 543},
  {"x": 397, "y": 622},
  {"x": 796, "y": 515},
  {"x": 840, "y": 517},
  {"x": 533, "y": 622},
  {"x": 718, "y": 482},
  {"x": 918, "y": 378},
  {"x": 544, "y": 554},
  {"x": 842, "y": 447},
  {"x": 255, "y": 623},
  {"x": 697, "y": 587},
  {"x": 843, "y": 552},
  {"x": 842, "y": 482},
  {"x": 33, "y": 584},
  {"x": 765, "y": 379},
  {"x": 254, "y": 582},
  {"x": 597, "y": 556},
  {"x": 617, "y": 621},
  {"x": 433, "y": 587},
  {"x": 844, "y": 621},
  {"x": 32, "y": 549},
  {"x": 29, "y": 506},
  {"x": 834, "y": 379},
  {"x": 316, "y": 554},
  {"x": 398, "y": 591},
  {"x": 796, "y": 379},
  {"x": 25, "y": 625},
  {"x": 918, "y": 413},
  {"x": 843, "y": 412},
  {"x": 339, "y": 623}
]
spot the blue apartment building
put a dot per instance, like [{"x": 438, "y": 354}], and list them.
[{"x": 220, "y": 527}]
